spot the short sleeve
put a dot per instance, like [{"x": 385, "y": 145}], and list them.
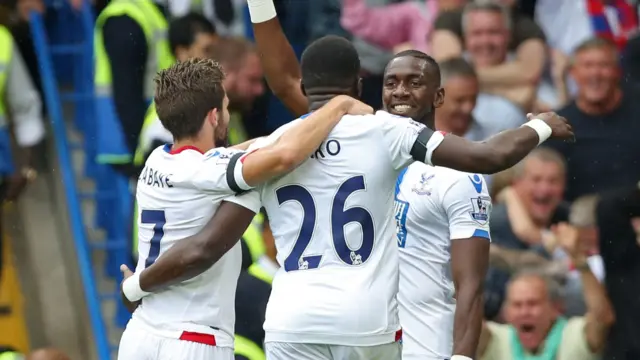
[
  {"x": 401, "y": 134},
  {"x": 468, "y": 207},
  {"x": 218, "y": 171},
  {"x": 249, "y": 200}
]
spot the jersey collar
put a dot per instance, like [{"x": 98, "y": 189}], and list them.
[{"x": 167, "y": 148}]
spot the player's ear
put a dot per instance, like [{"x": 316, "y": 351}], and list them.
[
  {"x": 438, "y": 99},
  {"x": 302, "y": 88},
  {"x": 212, "y": 117}
]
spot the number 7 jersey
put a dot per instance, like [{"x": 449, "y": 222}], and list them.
[
  {"x": 177, "y": 193},
  {"x": 332, "y": 220}
]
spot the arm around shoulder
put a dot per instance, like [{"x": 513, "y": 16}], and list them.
[
  {"x": 298, "y": 142},
  {"x": 192, "y": 256},
  {"x": 501, "y": 151}
]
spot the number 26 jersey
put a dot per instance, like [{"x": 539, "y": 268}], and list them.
[{"x": 332, "y": 221}]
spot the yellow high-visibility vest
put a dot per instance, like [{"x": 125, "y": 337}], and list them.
[
  {"x": 247, "y": 348},
  {"x": 253, "y": 238},
  {"x": 17, "y": 356},
  {"x": 6, "y": 54},
  {"x": 152, "y": 22},
  {"x": 258, "y": 272}
]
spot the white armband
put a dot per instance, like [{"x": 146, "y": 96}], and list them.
[
  {"x": 131, "y": 288},
  {"x": 541, "y": 128},
  {"x": 434, "y": 141},
  {"x": 261, "y": 10}
]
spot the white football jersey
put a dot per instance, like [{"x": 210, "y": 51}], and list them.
[
  {"x": 332, "y": 220},
  {"x": 177, "y": 194},
  {"x": 434, "y": 205}
]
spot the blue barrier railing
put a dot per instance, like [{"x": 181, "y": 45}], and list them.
[{"x": 52, "y": 98}]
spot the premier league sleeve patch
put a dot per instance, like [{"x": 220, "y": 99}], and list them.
[
  {"x": 481, "y": 209},
  {"x": 220, "y": 157}
]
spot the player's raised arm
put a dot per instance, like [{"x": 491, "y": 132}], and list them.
[
  {"x": 293, "y": 147},
  {"x": 468, "y": 206},
  {"x": 499, "y": 152},
  {"x": 281, "y": 67}
]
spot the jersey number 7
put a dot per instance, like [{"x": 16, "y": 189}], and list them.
[
  {"x": 158, "y": 219},
  {"x": 339, "y": 218}
]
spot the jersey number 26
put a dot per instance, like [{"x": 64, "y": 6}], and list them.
[{"x": 339, "y": 218}]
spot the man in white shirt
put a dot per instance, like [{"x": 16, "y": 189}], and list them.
[{"x": 180, "y": 187}]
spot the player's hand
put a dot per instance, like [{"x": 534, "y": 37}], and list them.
[
  {"x": 560, "y": 127},
  {"x": 126, "y": 273},
  {"x": 353, "y": 106},
  {"x": 359, "y": 108}
]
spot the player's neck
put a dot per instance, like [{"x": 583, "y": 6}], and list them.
[
  {"x": 200, "y": 144},
  {"x": 319, "y": 97},
  {"x": 429, "y": 121}
]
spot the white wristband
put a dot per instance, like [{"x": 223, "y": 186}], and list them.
[
  {"x": 131, "y": 288},
  {"x": 460, "y": 357},
  {"x": 261, "y": 10},
  {"x": 542, "y": 128}
]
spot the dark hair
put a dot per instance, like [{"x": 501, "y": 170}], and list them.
[
  {"x": 330, "y": 61},
  {"x": 185, "y": 93},
  {"x": 231, "y": 52},
  {"x": 184, "y": 29},
  {"x": 432, "y": 64},
  {"x": 456, "y": 67}
]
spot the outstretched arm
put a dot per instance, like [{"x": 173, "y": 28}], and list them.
[
  {"x": 281, "y": 68},
  {"x": 191, "y": 256},
  {"x": 408, "y": 140},
  {"x": 498, "y": 153},
  {"x": 293, "y": 147},
  {"x": 501, "y": 151}
]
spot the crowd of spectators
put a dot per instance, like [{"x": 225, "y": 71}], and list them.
[{"x": 566, "y": 220}]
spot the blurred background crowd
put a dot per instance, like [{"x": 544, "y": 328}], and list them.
[{"x": 76, "y": 121}]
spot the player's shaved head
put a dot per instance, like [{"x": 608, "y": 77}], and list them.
[
  {"x": 430, "y": 68},
  {"x": 330, "y": 62},
  {"x": 412, "y": 86}
]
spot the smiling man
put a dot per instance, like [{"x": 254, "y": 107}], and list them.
[{"x": 538, "y": 187}]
